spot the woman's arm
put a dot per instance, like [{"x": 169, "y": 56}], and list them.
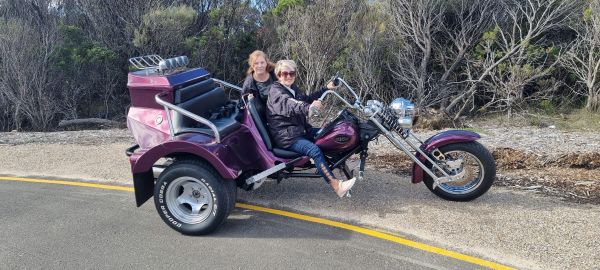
[
  {"x": 248, "y": 86},
  {"x": 282, "y": 103}
]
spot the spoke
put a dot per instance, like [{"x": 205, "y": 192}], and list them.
[
  {"x": 182, "y": 199},
  {"x": 196, "y": 208}
]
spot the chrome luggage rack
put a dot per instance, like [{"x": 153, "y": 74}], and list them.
[{"x": 155, "y": 64}]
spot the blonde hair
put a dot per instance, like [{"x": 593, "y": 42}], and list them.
[
  {"x": 285, "y": 63},
  {"x": 252, "y": 58}
]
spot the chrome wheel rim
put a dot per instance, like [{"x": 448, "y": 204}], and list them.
[
  {"x": 473, "y": 173},
  {"x": 189, "y": 200}
]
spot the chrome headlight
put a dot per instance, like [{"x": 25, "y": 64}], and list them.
[{"x": 404, "y": 110}]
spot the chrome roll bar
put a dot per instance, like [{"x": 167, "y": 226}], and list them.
[
  {"x": 233, "y": 86},
  {"x": 168, "y": 106}
]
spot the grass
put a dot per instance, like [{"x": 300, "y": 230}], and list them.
[
  {"x": 581, "y": 120},
  {"x": 572, "y": 120}
]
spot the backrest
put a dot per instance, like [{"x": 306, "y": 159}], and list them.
[
  {"x": 203, "y": 98},
  {"x": 258, "y": 111},
  {"x": 194, "y": 90}
]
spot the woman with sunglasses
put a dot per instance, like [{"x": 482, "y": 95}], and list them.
[
  {"x": 287, "y": 111},
  {"x": 259, "y": 76}
]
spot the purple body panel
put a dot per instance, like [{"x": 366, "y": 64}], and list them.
[
  {"x": 148, "y": 126},
  {"x": 148, "y": 123},
  {"x": 437, "y": 141},
  {"x": 343, "y": 137}
]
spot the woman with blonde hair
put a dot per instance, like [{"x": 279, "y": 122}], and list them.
[
  {"x": 287, "y": 111},
  {"x": 259, "y": 76}
]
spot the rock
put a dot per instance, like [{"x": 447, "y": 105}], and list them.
[{"x": 584, "y": 183}]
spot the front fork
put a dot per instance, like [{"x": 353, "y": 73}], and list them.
[{"x": 420, "y": 157}]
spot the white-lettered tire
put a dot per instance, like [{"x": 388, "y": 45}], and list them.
[
  {"x": 479, "y": 170},
  {"x": 231, "y": 188},
  {"x": 192, "y": 198}
]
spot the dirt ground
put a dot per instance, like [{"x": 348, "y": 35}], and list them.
[
  {"x": 548, "y": 160},
  {"x": 573, "y": 177}
]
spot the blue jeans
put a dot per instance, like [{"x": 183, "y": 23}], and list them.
[{"x": 306, "y": 147}]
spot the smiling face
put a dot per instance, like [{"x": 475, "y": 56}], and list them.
[
  {"x": 287, "y": 76},
  {"x": 260, "y": 65}
]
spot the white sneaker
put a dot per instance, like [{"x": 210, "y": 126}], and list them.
[{"x": 343, "y": 187}]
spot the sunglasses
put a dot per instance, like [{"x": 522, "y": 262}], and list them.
[{"x": 287, "y": 74}]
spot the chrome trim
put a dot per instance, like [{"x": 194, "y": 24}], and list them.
[
  {"x": 357, "y": 102},
  {"x": 146, "y": 62},
  {"x": 337, "y": 95},
  {"x": 228, "y": 85},
  {"x": 168, "y": 106},
  {"x": 402, "y": 147},
  {"x": 351, "y": 90},
  {"x": 258, "y": 179}
]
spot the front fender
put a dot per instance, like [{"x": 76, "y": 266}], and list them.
[{"x": 437, "y": 141}]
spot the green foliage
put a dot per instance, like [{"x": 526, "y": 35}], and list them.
[
  {"x": 164, "y": 30},
  {"x": 490, "y": 36},
  {"x": 284, "y": 5},
  {"x": 587, "y": 14},
  {"x": 77, "y": 50}
]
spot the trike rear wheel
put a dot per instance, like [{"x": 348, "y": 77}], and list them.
[{"x": 192, "y": 198}]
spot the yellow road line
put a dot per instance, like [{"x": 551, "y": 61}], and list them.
[
  {"x": 357, "y": 229},
  {"x": 68, "y": 183},
  {"x": 377, "y": 234}
]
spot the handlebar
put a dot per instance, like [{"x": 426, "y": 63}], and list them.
[{"x": 336, "y": 80}]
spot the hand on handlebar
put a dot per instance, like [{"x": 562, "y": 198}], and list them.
[
  {"x": 314, "y": 108},
  {"x": 317, "y": 104},
  {"x": 332, "y": 85}
]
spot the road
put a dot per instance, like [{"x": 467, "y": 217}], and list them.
[
  {"x": 72, "y": 227},
  {"x": 507, "y": 226}
]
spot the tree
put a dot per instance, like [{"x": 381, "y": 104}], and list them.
[
  {"x": 24, "y": 73},
  {"x": 519, "y": 28},
  {"x": 314, "y": 36},
  {"x": 164, "y": 30},
  {"x": 583, "y": 59}
]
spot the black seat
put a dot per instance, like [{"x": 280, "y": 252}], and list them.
[
  {"x": 258, "y": 112},
  {"x": 209, "y": 101}
]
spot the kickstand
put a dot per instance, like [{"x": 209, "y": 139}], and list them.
[{"x": 279, "y": 178}]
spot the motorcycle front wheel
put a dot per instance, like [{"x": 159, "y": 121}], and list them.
[{"x": 473, "y": 162}]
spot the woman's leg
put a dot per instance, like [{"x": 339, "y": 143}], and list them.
[{"x": 307, "y": 148}]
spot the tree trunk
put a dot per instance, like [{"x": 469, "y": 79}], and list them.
[{"x": 593, "y": 103}]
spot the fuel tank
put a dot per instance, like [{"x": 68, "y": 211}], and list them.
[{"x": 338, "y": 137}]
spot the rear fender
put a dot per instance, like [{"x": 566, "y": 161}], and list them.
[
  {"x": 438, "y": 140},
  {"x": 142, "y": 162}
]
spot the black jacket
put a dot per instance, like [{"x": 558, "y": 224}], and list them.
[
  {"x": 287, "y": 114},
  {"x": 250, "y": 86}
]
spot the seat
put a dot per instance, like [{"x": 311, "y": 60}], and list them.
[
  {"x": 205, "y": 99},
  {"x": 258, "y": 112}
]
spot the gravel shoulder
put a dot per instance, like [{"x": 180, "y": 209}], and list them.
[{"x": 516, "y": 224}]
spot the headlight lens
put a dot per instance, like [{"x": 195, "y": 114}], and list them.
[{"x": 404, "y": 110}]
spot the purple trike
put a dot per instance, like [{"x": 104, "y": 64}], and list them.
[{"x": 196, "y": 145}]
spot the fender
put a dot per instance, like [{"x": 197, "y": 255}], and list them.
[
  {"x": 145, "y": 161},
  {"x": 142, "y": 162},
  {"x": 437, "y": 141}
]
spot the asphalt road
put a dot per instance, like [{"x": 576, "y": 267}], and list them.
[{"x": 69, "y": 227}]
